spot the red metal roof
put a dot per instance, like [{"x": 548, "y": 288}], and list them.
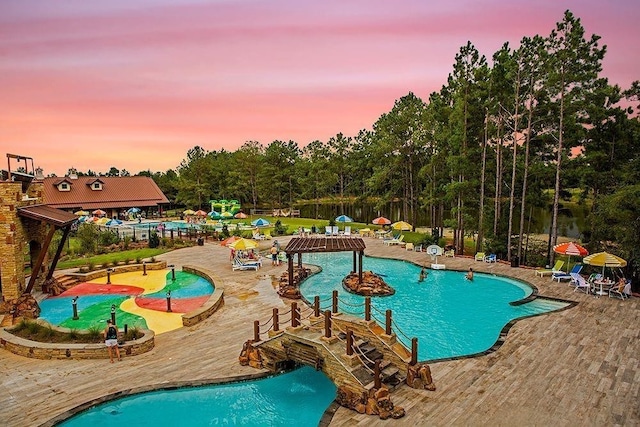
[
  {"x": 116, "y": 193},
  {"x": 54, "y": 216}
]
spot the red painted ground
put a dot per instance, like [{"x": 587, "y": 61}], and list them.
[
  {"x": 182, "y": 305},
  {"x": 101, "y": 289}
]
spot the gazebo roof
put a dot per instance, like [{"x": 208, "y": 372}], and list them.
[{"x": 324, "y": 244}]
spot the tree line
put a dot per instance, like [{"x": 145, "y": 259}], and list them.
[{"x": 499, "y": 138}]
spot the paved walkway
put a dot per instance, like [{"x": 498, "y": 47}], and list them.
[{"x": 575, "y": 367}]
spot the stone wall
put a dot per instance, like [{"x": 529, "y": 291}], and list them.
[
  {"x": 15, "y": 235},
  {"x": 47, "y": 351}
]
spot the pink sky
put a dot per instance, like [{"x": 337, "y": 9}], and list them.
[{"x": 136, "y": 83}]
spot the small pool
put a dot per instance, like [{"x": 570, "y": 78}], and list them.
[
  {"x": 296, "y": 398},
  {"x": 450, "y": 316}
]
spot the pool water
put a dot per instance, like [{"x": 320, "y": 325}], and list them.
[
  {"x": 450, "y": 316},
  {"x": 296, "y": 398}
]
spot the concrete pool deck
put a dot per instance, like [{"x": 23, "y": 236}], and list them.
[{"x": 575, "y": 367}]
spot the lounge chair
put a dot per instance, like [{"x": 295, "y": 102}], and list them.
[
  {"x": 450, "y": 253},
  {"x": 480, "y": 256},
  {"x": 409, "y": 246},
  {"x": 394, "y": 241},
  {"x": 245, "y": 264},
  {"x": 327, "y": 230},
  {"x": 623, "y": 293},
  {"x": 347, "y": 230},
  {"x": 580, "y": 283},
  {"x": 491, "y": 258},
  {"x": 557, "y": 268},
  {"x": 560, "y": 276}
]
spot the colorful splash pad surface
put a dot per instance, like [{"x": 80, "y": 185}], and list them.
[{"x": 139, "y": 300}]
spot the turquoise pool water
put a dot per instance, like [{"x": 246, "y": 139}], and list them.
[
  {"x": 450, "y": 316},
  {"x": 297, "y": 398}
]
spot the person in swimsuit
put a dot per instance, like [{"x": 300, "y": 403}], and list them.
[{"x": 111, "y": 339}]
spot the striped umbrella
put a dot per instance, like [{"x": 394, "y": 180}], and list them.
[{"x": 569, "y": 249}]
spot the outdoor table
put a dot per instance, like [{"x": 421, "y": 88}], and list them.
[{"x": 601, "y": 283}]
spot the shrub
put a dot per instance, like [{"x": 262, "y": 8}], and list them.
[
  {"x": 133, "y": 333},
  {"x": 107, "y": 238},
  {"x": 279, "y": 229},
  {"x": 94, "y": 333},
  {"x": 87, "y": 235},
  {"x": 126, "y": 241},
  {"x": 154, "y": 240}
]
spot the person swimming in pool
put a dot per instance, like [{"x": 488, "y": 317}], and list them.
[
  {"x": 423, "y": 275},
  {"x": 469, "y": 275}
]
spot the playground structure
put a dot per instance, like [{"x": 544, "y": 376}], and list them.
[{"x": 218, "y": 207}]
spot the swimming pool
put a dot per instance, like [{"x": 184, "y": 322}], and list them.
[
  {"x": 450, "y": 316},
  {"x": 296, "y": 398}
]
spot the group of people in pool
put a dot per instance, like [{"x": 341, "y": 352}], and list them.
[{"x": 423, "y": 274}]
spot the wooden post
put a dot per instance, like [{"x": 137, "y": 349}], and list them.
[
  {"x": 367, "y": 309},
  {"x": 360, "y": 267},
  {"x": 256, "y": 331},
  {"x": 387, "y": 329},
  {"x": 35, "y": 270},
  {"x": 316, "y": 306},
  {"x": 376, "y": 375},
  {"x": 295, "y": 316},
  {"x": 349, "y": 342},
  {"x": 334, "y": 301},
  {"x": 276, "y": 319},
  {"x": 327, "y": 324},
  {"x": 414, "y": 351},
  {"x": 355, "y": 265}
]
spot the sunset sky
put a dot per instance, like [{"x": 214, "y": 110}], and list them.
[{"x": 136, "y": 83}]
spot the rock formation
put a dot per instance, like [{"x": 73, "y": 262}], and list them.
[
  {"x": 419, "y": 376},
  {"x": 24, "y": 306},
  {"x": 249, "y": 355},
  {"x": 375, "y": 402},
  {"x": 372, "y": 284}
]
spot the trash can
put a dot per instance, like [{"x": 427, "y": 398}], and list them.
[
  {"x": 200, "y": 241},
  {"x": 515, "y": 261}
]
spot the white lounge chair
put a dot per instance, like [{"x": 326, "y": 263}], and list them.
[
  {"x": 245, "y": 264},
  {"x": 560, "y": 276},
  {"x": 394, "y": 241},
  {"x": 580, "y": 283}
]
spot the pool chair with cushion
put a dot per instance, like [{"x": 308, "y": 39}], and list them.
[
  {"x": 491, "y": 258},
  {"x": 409, "y": 246},
  {"x": 245, "y": 264},
  {"x": 560, "y": 276},
  {"x": 450, "y": 253},
  {"x": 557, "y": 268},
  {"x": 394, "y": 241},
  {"x": 480, "y": 256}
]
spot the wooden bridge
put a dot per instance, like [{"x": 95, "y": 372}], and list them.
[{"x": 356, "y": 353}]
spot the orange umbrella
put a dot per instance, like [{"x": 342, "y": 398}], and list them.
[
  {"x": 240, "y": 215},
  {"x": 229, "y": 240},
  {"x": 381, "y": 221},
  {"x": 200, "y": 213},
  {"x": 570, "y": 248}
]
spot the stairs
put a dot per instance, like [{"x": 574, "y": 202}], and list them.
[
  {"x": 62, "y": 283},
  {"x": 368, "y": 354}
]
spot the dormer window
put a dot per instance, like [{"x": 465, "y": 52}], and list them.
[
  {"x": 64, "y": 187},
  {"x": 95, "y": 185}
]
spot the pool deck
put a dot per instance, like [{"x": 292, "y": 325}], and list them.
[{"x": 575, "y": 367}]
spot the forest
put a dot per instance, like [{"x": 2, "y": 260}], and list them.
[{"x": 532, "y": 126}]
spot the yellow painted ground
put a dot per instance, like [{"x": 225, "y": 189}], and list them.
[
  {"x": 157, "y": 321},
  {"x": 154, "y": 281}
]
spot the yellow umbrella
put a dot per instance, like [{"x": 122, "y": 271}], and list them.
[
  {"x": 604, "y": 259},
  {"x": 81, "y": 213},
  {"x": 189, "y": 212},
  {"x": 401, "y": 225},
  {"x": 103, "y": 221},
  {"x": 243, "y": 244}
]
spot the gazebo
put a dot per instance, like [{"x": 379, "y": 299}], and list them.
[{"x": 318, "y": 244}]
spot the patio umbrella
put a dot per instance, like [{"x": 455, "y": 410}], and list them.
[
  {"x": 189, "y": 212},
  {"x": 200, "y": 212},
  {"x": 214, "y": 215},
  {"x": 260, "y": 222},
  {"x": 343, "y": 218},
  {"x": 381, "y": 221},
  {"x": 229, "y": 240},
  {"x": 103, "y": 221},
  {"x": 402, "y": 226},
  {"x": 114, "y": 222},
  {"x": 243, "y": 244},
  {"x": 240, "y": 215},
  {"x": 605, "y": 259},
  {"x": 81, "y": 213},
  {"x": 226, "y": 214},
  {"x": 133, "y": 210},
  {"x": 99, "y": 212},
  {"x": 569, "y": 249}
]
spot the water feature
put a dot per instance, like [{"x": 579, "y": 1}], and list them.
[{"x": 449, "y": 315}]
